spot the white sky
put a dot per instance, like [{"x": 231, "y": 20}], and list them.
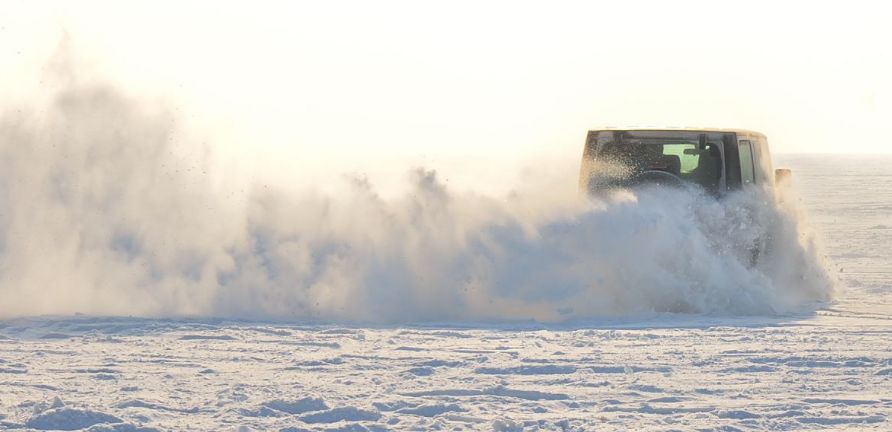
[{"x": 305, "y": 86}]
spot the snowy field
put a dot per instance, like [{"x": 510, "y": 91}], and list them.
[{"x": 829, "y": 369}]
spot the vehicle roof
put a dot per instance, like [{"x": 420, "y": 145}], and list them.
[{"x": 678, "y": 129}]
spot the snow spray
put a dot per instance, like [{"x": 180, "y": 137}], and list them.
[{"x": 99, "y": 215}]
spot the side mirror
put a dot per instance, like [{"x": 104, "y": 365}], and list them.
[{"x": 782, "y": 175}]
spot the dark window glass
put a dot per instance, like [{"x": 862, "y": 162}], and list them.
[{"x": 747, "y": 172}]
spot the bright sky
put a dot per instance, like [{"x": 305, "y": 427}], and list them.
[{"x": 295, "y": 86}]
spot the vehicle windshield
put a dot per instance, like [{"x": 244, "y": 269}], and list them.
[{"x": 688, "y": 160}]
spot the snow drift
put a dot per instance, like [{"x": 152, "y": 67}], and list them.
[{"x": 100, "y": 214}]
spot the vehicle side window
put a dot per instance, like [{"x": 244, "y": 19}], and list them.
[
  {"x": 763, "y": 163},
  {"x": 747, "y": 172},
  {"x": 758, "y": 174}
]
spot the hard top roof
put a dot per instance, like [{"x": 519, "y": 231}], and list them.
[{"x": 743, "y": 132}]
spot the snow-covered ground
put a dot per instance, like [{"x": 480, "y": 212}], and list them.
[{"x": 830, "y": 369}]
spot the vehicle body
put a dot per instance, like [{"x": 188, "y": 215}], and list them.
[{"x": 718, "y": 160}]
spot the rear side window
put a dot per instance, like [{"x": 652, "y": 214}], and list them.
[{"x": 747, "y": 172}]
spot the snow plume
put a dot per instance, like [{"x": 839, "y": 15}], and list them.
[{"x": 101, "y": 214}]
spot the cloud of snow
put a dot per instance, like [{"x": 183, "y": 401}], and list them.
[{"x": 101, "y": 214}]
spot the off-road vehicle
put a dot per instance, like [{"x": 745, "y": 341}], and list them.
[{"x": 718, "y": 160}]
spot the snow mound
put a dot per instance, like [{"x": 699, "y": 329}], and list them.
[
  {"x": 69, "y": 419},
  {"x": 341, "y": 414},
  {"x": 298, "y": 406},
  {"x": 432, "y": 410},
  {"x": 121, "y": 427},
  {"x": 139, "y": 403}
]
